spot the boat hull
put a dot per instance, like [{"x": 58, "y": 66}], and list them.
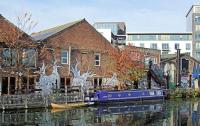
[
  {"x": 126, "y": 95},
  {"x": 69, "y": 105}
]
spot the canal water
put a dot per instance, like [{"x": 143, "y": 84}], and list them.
[{"x": 159, "y": 113}]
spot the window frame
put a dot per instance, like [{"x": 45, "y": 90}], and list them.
[
  {"x": 61, "y": 57},
  {"x": 166, "y": 45},
  {"x": 152, "y": 45},
  {"x": 9, "y": 60},
  {"x": 176, "y": 46},
  {"x": 187, "y": 46},
  {"x": 29, "y": 55},
  {"x": 99, "y": 60}
]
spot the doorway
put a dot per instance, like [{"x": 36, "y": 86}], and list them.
[
  {"x": 4, "y": 85},
  {"x": 62, "y": 85},
  {"x": 31, "y": 84},
  {"x": 12, "y": 85}
]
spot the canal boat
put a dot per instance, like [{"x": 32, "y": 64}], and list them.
[
  {"x": 108, "y": 96},
  {"x": 70, "y": 105}
]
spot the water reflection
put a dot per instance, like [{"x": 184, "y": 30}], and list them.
[{"x": 168, "y": 113}]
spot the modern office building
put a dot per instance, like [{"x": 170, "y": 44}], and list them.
[
  {"x": 118, "y": 31},
  {"x": 193, "y": 25},
  {"x": 168, "y": 43}
]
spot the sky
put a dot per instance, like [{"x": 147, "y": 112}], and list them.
[{"x": 139, "y": 15}]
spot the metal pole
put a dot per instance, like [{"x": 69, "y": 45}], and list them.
[{"x": 178, "y": 74}]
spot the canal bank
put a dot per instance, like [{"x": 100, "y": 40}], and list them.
[
  {"x": 29, "y": 101},
  {"x": 170, "y": 112}
]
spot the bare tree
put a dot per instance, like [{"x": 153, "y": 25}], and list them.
[{"x": 17, "y": 47}]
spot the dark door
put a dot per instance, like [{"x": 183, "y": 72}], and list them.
[
  {"x": 62, "y": 85},
  {"x": 12, "y": 85},
  {"x": 4, "y": 85}
]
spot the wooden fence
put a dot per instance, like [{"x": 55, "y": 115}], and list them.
[{"x": 37, "y": 100}]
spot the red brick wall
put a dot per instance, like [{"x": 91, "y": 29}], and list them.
[
  {"x": 9, "y": 32},
  {"x": 85, "y": 41}
]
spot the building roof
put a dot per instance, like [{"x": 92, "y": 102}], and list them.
[
  {"x": 174, "y": 56},
  {"x": 42, "y": 35},
  {"x": 191, "y": 9},
  {"x": 142, "y": 48}
]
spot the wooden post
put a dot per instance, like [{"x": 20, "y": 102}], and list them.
[
  {"x": 16, "y": 86},
  {"x": 34, "y": 84},
  {"x": 3, "y": 116},
  {"x": 20, "y": 84},
  {"x": 26, "y": 118},
  {"x": 0, "y": 85},
  {"x": 69, "y": 60},
  {"x": 65, "y": 90},
  {"x": 8, "y": 85},
  {"x": 25, "y": 102},
  {"x": 27, "y": 85}
]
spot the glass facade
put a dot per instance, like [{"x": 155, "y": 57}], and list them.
[
  {"x": 156, "y": 37},
  {"x": 114, "y": 27}
]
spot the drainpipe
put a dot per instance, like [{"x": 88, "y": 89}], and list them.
[{"x": 69, "y": 60}]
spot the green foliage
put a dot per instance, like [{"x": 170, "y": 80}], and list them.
[{"x": 184, "y": 93}]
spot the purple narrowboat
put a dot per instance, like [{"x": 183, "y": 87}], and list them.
[{"x": 107, "y": 96}]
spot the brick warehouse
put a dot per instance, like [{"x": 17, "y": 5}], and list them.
[
  {"x": 65, "y": 44},
  {"x": 76, "y": 40}
]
